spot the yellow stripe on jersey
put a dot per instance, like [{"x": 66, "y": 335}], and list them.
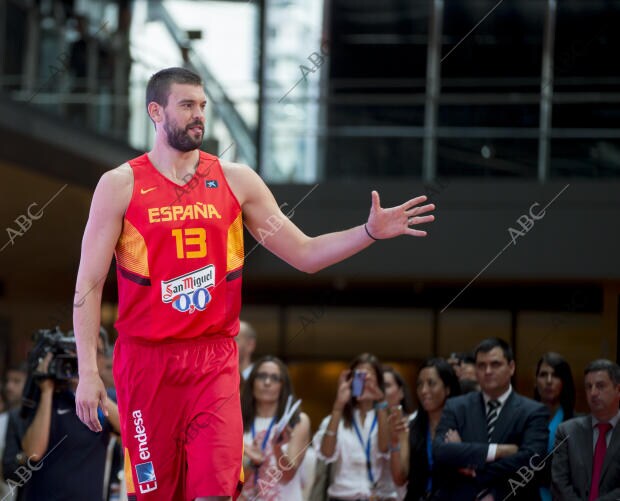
[
  {"x": 131, "y": 489},
  {"x": 131, "y": 252},
  {"x": 234, "y": 255}
]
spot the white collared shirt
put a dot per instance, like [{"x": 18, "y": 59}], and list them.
[
  {"x": 502, "y": 400},
  {"x": 350, "y": 476},
  {"x": 613, "y": 422}
]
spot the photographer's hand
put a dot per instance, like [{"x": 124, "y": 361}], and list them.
[
  {"x": 90, "y": 395},
  {"x": 36, "y": 439}
]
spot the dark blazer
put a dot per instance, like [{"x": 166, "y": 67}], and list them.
[
  {"x": 571, "y": 470},
  {"x": 522, "y": 422}
]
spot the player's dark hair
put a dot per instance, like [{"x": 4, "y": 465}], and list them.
[
  {"x": 248, "y": 401},
  {"x": 364, "y": 358},
  {"x": 494, "y": 342},
  {"x": 608, "y": 366},
  {"x": 561, "y": 369},
  {"x": 158, "y": 87},
  {"x": 406, "y": 402}
]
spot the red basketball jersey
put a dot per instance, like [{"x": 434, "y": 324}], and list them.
[{"x": 180, "y": 255}]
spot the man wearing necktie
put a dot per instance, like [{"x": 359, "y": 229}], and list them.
[
  {"x": 576, "y": 474},
  {"x": 485, "y": 438}
]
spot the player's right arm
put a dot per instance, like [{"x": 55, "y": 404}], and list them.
[{"x": 104, "y": 226}]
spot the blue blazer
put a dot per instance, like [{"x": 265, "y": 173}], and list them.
[{"x": 522, "y": 422}]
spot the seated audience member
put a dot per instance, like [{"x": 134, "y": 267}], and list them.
[
  {"x": 586, "y": 460},
  {"x": 271, "y": 463},
  {"x": 556, "y": 390},
  {"x": 354, "y": 437},
  {"x": 411, "y": 458},
  {"x": 483, "y": 438}
]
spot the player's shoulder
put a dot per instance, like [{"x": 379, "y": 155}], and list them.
[
  {"x": 118, "y": 178},
  {"x": 119, "y": 174},
  {"x": 237, "y": 171},
  {"x": 244, "y": 182}
]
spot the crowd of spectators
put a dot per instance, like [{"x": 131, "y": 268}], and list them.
[{"x": 470, "y": 437}]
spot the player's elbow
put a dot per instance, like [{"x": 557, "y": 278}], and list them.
[
  {"x": 306, "y": 263},
  {"x": 309, "y": 269}
]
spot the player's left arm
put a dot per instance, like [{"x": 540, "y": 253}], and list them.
[{"x": 266, "y": 222}]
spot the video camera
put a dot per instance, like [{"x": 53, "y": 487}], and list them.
[{"x": 63, "y": 365}]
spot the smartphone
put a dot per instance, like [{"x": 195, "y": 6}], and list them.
[
  {"x": 398, "y": 410},
  {"x": 357, "y": 386}
]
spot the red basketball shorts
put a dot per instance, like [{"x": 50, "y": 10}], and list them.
[{"x": 180, "y": 414}]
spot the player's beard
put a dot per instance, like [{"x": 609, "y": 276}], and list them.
[{"x": 181, "y": 139}]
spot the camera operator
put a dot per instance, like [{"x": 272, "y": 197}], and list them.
[{"x": 50, "y": 455}]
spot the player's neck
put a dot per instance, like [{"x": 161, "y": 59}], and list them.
[
  {"x": 266, "y": 409},
  {"x": 172, "y": 163}
]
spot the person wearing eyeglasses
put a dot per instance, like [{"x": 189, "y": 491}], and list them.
[{"x": 271, "y": 460}]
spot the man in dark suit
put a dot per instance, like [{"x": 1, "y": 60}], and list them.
[
  {"x": 586, "y": 461},
  {"x": 488, "y": 444}
]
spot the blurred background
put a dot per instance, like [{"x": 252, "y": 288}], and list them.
[{"x": 487, "y": 107}]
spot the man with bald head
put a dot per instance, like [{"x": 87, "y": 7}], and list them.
[{"x": 246, "y": 342}]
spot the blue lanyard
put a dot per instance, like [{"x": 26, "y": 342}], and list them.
[
  {"x": 429, "y": 455},
  {"x": 367, "y": 446},
  {"x": 265, "y": 439},
  {"x": 264, "y": 444}
]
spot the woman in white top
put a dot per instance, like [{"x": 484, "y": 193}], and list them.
[
  {"x": 354, "y": 438},
  {"x": 271, "y": 462}
]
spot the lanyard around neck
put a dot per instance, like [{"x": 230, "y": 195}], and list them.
[
  {"x": 366, "y": 446},
  {"x": 266, "y": 437},
  {"x": 264, "y": 444}
]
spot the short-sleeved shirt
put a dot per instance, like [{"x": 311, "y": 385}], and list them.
[{"x": 73, "y": 451}]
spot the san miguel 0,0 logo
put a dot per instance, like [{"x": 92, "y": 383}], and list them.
[{"x": 189, "y": 292}]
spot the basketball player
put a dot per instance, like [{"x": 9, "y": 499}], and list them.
[{"x": 174, "y": 220}]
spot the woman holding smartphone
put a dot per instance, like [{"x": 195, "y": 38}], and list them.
[
  {"x": 355, "y": 435},
  {"x": 412, "y": 464},
  {"x": 400, "y": 409},
  {"x": 271, "y": 462}
]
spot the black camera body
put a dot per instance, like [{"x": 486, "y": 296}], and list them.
[{"x": 62, "y": 367}]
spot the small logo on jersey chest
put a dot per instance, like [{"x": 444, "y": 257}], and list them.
[
  {"x": 144, "y": 192},
  {"x": 211, "y": 183}
]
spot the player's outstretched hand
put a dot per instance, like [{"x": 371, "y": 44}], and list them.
[
  {"x": 89, "y": 396},
  {"x": 395, "y": 221}
]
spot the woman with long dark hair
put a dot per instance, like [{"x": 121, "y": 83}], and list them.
[
  {"x": 400, "y": 406},
  {"x": 355, "y": 434},
  {"x": 412, "y": 462},
  {"x": 554, "y": 388},
  {"x": 271, "y": 462}
]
